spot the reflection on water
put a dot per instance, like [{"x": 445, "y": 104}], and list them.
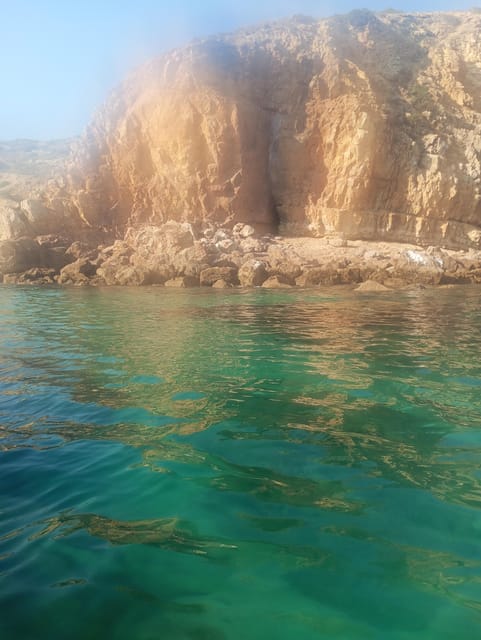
[
  {"x": 190, "y": 461},
  {"x": 165, "y": 533}
]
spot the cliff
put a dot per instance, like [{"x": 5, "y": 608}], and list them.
[
  {"x": 363, "y": 125},
  {"x": 26, "y": 167}
]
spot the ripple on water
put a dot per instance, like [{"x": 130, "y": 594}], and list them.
[{"x": 302, "y": 459}]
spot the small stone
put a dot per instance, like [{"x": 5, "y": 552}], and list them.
[
  {"x": 237, "y": 228},
  {"x": 220, "y": 235},
  {"x": 227, "y": 244},
  {"x": 247, "y": 231}
]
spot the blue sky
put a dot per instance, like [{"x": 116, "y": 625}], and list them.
[{"x": 59, "y": 59}]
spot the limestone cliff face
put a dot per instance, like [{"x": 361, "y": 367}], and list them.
[
  {"x": 366, "y": 124},
  {"x": 26, "y": 166}
]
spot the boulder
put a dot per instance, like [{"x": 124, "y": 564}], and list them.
[
  {"x": 277, "y": 282},
  {"x": 371, "y": 286},
  {"x": 225, "y": 261},
  {"x": 112, "y": 273},
  {"x": 13, "y": 223},
  {"x": 222, "y": 284},
  {"x": 213, "y": 274},
  {"x": 228, "y": 244},
  {"x": 183, "y": 282},
  {"x": 243, "y": 230},
  {"x": 252, "y": 245},
  {"x": 231, "y": 259},
  {"x": 133, "y": 276},
  {"x": 252, "y": 273},
  {"x": 78, "y": 250},
  {"x": 31, "y": 276},
  {"x": 79, "y": 271},
  {"x": 316, "y": 276},
  {"x": 190, "y": 261},
  {"x": 163, "y": 241},
  {"x": 19, "y": 255},
  {"x": 349, "y": 275},
  {"x": 118, "y": 249}
]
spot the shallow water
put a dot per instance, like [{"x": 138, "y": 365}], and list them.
[{"x": 229, "y": 465}]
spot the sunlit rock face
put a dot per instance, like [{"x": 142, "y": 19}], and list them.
[
  {"x": 26, "y": 167},
  {"x": 366, "y": 124}
]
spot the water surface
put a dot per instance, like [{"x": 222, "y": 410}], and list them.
[{"x": 228, "y": 465}]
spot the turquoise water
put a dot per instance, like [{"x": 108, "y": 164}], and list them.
[{"x": 240, "y": 465}]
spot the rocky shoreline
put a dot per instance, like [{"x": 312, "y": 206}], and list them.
[
  {"x": 353, "y": 140},
  {"x": 178, "y": 254}
]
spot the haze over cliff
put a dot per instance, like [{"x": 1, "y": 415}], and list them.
[{"x": 364, "y": 124}]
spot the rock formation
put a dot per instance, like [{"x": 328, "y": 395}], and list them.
[
  {"x": 365, "y": 126},
  {"x": 26, "y": 167}
]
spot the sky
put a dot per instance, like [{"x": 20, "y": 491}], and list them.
[{"x": 60, "y": 58}]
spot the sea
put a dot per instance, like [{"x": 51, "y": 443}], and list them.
[{"x": 240, "y": 464}]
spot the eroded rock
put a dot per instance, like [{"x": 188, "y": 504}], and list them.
[
  {"x": 183, "y": 282},
  {"x": 222, "y": 284},
  {"x": 277, "y": 282},
  {"x": 208, "y": 277},
  {"x": 78, "y": 272},
  {"x": 371, "y": 286},
  {"x": 346, "y": 130},
  {"x": 36, "y": 275},
  {"x": 252, "y": 273},
  {"x": 352, "y": 131}
]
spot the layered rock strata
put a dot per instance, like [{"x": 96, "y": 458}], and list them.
[
  {"x": 365, "y": 127},
  {"x": 366, "y": 124}
]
